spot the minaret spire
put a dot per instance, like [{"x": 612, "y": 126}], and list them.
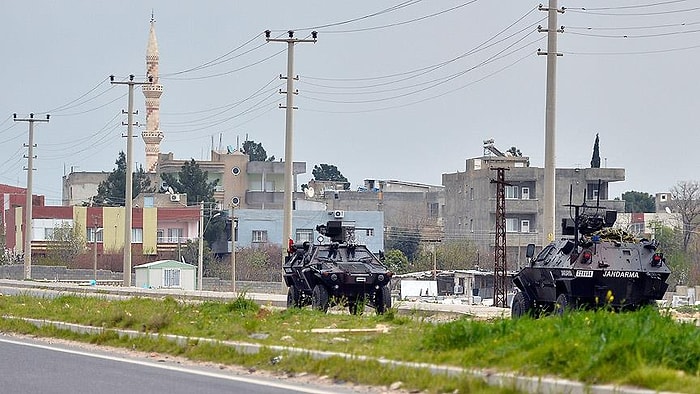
[{"x": 152, "y": 136}]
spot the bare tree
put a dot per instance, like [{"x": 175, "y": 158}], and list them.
[{"x": 686, "y": 202}]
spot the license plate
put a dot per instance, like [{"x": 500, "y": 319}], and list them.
[{"x": 360, "y": 279}]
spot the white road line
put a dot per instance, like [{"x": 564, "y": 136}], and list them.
[{"x": 174, "y": 368}]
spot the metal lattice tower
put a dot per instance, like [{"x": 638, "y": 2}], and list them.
[{"x": 500, "y": 265}]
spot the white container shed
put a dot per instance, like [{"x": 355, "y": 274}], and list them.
[{"x": 171, "y": 274}]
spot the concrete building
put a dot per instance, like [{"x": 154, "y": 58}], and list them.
[
  {"x": 257, "y": 226},
  {"x": 154, "y": 230},
  {"x": 408, "y": 207},
  {"x": 470, "y": 201},
  {"x": 80, "y": 187},
  {"x": 241, "y": 183}
]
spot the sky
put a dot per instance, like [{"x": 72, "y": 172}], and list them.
[{"x": 401, "y": 89}]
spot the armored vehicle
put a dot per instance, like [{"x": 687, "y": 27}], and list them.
[
  {"x": 596, "y": 266},
  {"x": 336, "y": 271}
]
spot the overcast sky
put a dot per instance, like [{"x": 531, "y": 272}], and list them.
[{"x": 397, "y": 89}]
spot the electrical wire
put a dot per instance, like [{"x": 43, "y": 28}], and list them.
[
  {"x": 227, "y": 108},
  {"x": 426, "y": 70},
  {"x": 378, "y": 109},
  {"x": 632, "y": 6},
  {"x": 436, "y": 83},
  {"x": 230, "y": 71},
  {"x": 584, "y": 11},
  {"x": 627, "y": 36},
  {"x": 403, "y": 22},
  {"x": 473, "y": 50},
  {"x": 393, "y": 8},
  {"x": 219, "y": 107},
  {"x": 216, "y": 61},
  {"x": 68, "y": 104},
  {"x": 650, "y": 52},
  {"x": 94, "y": 108},
  {"x": 632, "y": 27}
]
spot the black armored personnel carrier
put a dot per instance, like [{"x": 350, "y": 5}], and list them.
[
  {"x": 336, "y": 270},
  {"x": 595, "y": 266}
]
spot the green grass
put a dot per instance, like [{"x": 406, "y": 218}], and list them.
[{"x": 645, "y": 348}]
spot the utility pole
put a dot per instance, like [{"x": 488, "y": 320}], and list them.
[
  {"x": 500, "y": 267},
  {"x": 28, "y": 209},
  {"x": 234, "y": 226},
  {"x": 288, "y": 141},
  {"x": 200, "y": 256},
  {"x": 549, "y": 224},
  {"x": 129, "y": 174}
]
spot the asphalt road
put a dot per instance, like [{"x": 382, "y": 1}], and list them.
[{"x": 31, "y": 366}]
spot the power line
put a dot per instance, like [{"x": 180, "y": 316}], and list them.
[
  {"x": 403, "y": 22},
  {"x": 630, "y": 36},
  {"x": 478, "y": 48},
  {"x": 630, "y": 6},
  {"x": 584, "y": 11}
]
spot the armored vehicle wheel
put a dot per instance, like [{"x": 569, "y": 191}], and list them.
[
  {"x": 522, "y": 305},
  {"x": 382, "y": 300},
  {"x": 293, "y": 297},
  {"x": 562, "y": 305},
  {"x": 319, "y": 298}
]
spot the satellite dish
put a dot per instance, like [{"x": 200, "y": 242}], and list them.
[
  {"x": 668, "y": 210},
  {"x": 309, "y": 192},
  {"x": 170, "y": 190}
]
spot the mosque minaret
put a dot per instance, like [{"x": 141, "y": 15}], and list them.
[{"x": 152, "y": 136}]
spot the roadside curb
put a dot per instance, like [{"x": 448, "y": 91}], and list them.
[{"x": 507, "y": 380}]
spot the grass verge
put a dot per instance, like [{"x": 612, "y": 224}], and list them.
[{"x": 645, "y": 348}]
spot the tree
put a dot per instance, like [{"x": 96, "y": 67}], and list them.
[
  {"x": 671, "y": 245},
  {"x": 256, "y": 152},
  {"x": 112, "y": 191},
  {"x": 685, "y": 199},
  {"x": 638, "y": 202},
  {"x": 595, "y": 160},
  {"x": 396, "y": 261},
  {"x": 329, "y": 172},
  {"x": 193, "y": 181},
  {"x": 514, "y": 151},
  {"x": 404, "y": 239},
  {"x": 67, "y": 242}
]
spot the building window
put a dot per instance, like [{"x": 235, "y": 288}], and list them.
[
  {"x": 171, "y": 277},
  {"x": 304, "y": 235},
  {"x": 525, "y": 193},
  {"x": 90, "y": 235},
  {"x": 595, "y": 194},
  {"x": 369, "y": 232},
  {"x": 174, "y": 235},
  {"x": 511, "y": 192},
  {"x": 433, "y": 209},
  {"x": 525, "y": 226},
  {"x": 662, "y": 197},
  {"x": 160, "y": 234},
  {"x": 259, "y": 236},
  {"x": 511, "y": 225},
  {"x": 148, "y": 201},
  {"x": 136, "y": 235}
]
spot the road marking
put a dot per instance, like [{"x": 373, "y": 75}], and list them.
[{"x": 175, "y": 368}]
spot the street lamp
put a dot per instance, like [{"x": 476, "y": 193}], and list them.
[{"x": 202, "y": 229}]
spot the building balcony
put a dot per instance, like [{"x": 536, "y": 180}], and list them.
[{"x": 529, "y": 206}]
